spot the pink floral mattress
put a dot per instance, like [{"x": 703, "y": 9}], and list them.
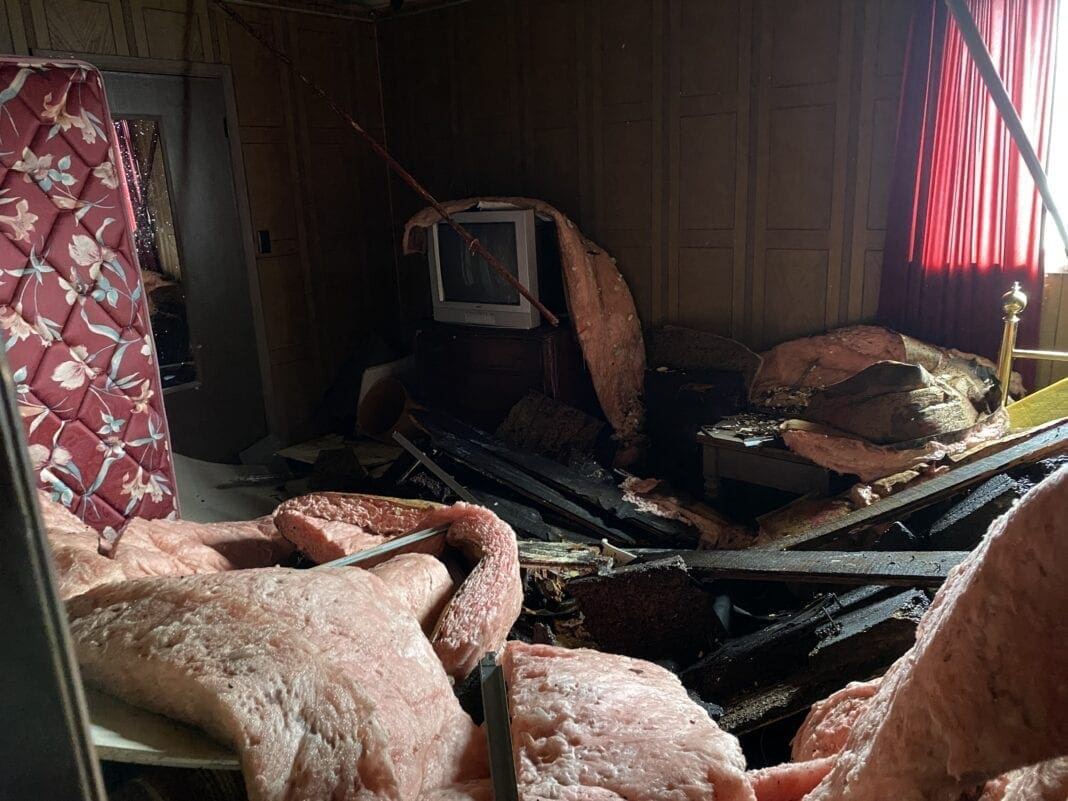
[{"x": 73, "y": 314}]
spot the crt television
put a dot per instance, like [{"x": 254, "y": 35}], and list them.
[{"x": 467, "y": 290}]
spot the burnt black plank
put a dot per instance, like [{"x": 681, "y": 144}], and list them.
[
  {"x": 932, "y": 490},
  {"x": 965, "y": 523},
  {"x": 785, "y": 667},
  {"x": 509, "y": 476},
  {"x": 603, "y": 498},
  {"x": 887, "y": 568}
]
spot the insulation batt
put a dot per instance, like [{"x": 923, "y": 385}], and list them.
[
  {"x": 320, "y": 680},
  {"x": 849, "y": 455},
  {"x": 589, "y": 726},
  {"x": 985, "y": 688},
  {"x": 829, "y": 722},
  {"x": 816, "y": 745},
  {"x": 421, "y": 583},
  {"x": 331, "y": 525},
  {"x": 155, "y": 548},
  {"x": 484, "y": 609},
  {"x": 1046, "y": 781},
  {"x": 791, "y": 371},
  {"x": 790, "y": 782}
]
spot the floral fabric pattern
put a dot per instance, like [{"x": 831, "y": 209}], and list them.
[{"x": 73, "y": 315}]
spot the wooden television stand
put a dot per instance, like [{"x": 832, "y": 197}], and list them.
[{"x": 478, "y": 373}]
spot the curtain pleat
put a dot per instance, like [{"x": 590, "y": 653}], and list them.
[{"x": 965, "y": 217}]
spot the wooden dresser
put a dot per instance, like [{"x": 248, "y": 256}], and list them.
[{"x": 478, "y": 374}]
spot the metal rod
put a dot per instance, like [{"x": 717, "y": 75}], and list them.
[
  {"x": 457, "y": 488},
  {"x": 1042, "y": 355},
  {"x": 1013, "y": 303},
  {"x": 386, "y": 548},
  {"x": 973, "y": 40},
  {"x": 472, "y": 242},
  {"x": 498, "y": 729}
]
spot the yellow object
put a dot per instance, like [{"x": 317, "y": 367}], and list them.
[{"x": 1039, "y": 408}]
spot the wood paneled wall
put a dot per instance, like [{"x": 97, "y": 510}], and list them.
[
  {"x": 330, "y": 274},
  {"x": 1054, "y": 331},
  {"x": 733, "y": 156}
]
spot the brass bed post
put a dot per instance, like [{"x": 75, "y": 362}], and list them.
[{"x": 1013, "y": 302}]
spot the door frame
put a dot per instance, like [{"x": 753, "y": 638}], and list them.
[{"x": 222, "y": 72}]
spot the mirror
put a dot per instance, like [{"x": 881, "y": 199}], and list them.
[{"x": 142, "y": 156}]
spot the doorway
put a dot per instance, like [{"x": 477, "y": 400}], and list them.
[{"x": 174, "y": 144}]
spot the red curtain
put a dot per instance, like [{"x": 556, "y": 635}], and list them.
[{"x": 965, "y": 218}]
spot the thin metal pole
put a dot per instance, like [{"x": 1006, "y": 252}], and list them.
[
  {"x": 1013, "y": 303},
  {"x": 472, "y": 242},
  {"x": 498, "y": 729},
  {"x": 457, "y": 488},
  {"x": 386, "y": 548}
]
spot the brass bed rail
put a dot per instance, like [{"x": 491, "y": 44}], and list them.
[{"x": 1013, "y": 303}]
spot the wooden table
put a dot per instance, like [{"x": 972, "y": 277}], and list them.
[{"x": 760, "y": 462}]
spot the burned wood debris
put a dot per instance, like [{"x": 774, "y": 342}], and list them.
[
  {"x": 682, "y": 622},
  {"x": 761, "y": 601},
  {"x": 596, "y": 508},
  {"x": 785, "y": 667}
]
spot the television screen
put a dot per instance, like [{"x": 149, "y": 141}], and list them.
[{"x": 465, "y": 276}]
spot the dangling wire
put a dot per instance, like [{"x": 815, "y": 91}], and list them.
[{"x": 473, "y": 244}]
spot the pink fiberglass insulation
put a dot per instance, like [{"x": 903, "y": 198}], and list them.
[
  {"x": 816, "y": 745},
  {"x": 791, "y": 371},
  {"x": 484, "y": 609},
  {"x": 983, "y": 691},
  {"x": 589, "y": 726},
  {"x": 827, "y": 726},
  {"x": 421, "y": 583},
  {"x": 848, "y": 454},
  {"x": 155, "y": 548},
  {"x": 791, "y": 781},
  {"x": 320, "y": 679},
  {"x": 329, "y": 525},
  {"x": 1046, "y": 781}
]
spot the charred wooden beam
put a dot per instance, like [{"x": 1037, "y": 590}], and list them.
[
  {"x": 549, "y": 568},
  {"x": 651, "y": 611},
  {"x": 506, "y": 475},
  {"x": 784, "y": 668},
  {"x": 965, "y": 523},
  {"x": 884, "y": 568},
  {"x": 930, "y": 491},
  {"x": 483, "y": 453},
  {"x": 560, "y": 555},
  {"x": 528, "y": 521}
]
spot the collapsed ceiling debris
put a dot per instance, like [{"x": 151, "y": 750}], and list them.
[{"x": 329, "y": 679}]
